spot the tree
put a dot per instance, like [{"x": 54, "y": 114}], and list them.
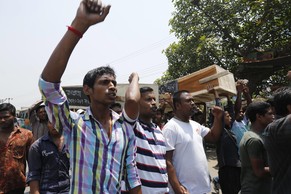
[{"x": 222, "y": 32}]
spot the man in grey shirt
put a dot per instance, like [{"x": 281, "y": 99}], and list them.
[
  {"x": 38, "y": 120},
  {"x": 255, "y": 175}
]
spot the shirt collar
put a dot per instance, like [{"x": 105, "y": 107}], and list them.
[
  {"x": 114, "y": 115},
  {"x": 151, "y": 125},
  {"x": 16, "y": 130},
  {"x": 87, "y": 114},
  {"x": 46, "y": 137}
]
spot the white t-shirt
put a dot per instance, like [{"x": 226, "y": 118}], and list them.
[{"x": 189, "y": 159}]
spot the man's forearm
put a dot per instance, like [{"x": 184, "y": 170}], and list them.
[
  {"x": 248, "y": 97},
  {"x": 88, "y": 14},
  {"x": 135, "y": 190},
  {"x": 132, "y": 97},
  {"x": 216, "y": 129},
  {"x": 57, "y": 63},
  {"x": 237, "y": 105},
  {"x": 173, "y": 180},
  {"x": 34, "y": 187}
]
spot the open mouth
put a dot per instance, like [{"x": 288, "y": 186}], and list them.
[
  {"x": 112, "y": 95},
  {"x": 154, "y": 109}
]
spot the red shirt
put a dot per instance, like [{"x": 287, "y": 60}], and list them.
[{"x": 13, "y": 157}]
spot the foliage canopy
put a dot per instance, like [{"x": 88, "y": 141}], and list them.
[{"x": 222, "y": 32}]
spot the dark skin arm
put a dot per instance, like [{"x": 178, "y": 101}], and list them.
[
  {"x": 34, "y": 187},
  {"x": 256, "y": 158},
  {"x": 213, "y": 91},
  {"x": 258, "y": 167},
  {"x": 216, "y": 129},
  {"x": 88, "y": 14},
  {"x": 246, "y": 93},
  {"x": 215, "y": 132},
  {"x": 237, "y": 105},
  {"x": 178, "y": 188},
  {"x": 135, "y": 190},
  {"x": 288, "y": 76},
  {"x": 132, "y": 96}
]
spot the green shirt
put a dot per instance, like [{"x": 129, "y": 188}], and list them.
[{"x": 251, "y": 146}]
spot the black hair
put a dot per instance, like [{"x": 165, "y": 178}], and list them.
[
  {"x": 271, "y": 101},
  {"x": 145, "y": 89},
  {"x": 197, "y": 113},
  {"x": 8, "y": 107},
  {"x": 282, "y": 98},
  {"x": 177, "y": 97},
  {"x": 160, "y": 110},
  {"x": 91, "y": 76},
  {"x": 39, "y": 107},
  {"x": 255, "y": 108},
  {"x": 116, "y": 104}
]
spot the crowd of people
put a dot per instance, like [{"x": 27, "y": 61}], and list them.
[{"x": 138, "y": 148}]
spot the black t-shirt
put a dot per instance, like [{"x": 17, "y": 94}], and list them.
[
  {"x": 277, "y": 141},
  {"x": 227, "y": 150}
]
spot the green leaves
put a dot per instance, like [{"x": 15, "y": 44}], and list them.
[{"x": 223, "y": 31}]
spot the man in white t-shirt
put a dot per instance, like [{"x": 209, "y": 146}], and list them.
[{"x": 186, "y": 160}]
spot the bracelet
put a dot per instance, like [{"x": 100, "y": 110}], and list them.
[{"x": 75, "y": 31}]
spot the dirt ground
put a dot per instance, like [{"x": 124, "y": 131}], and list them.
[{"x": 212, "y": 162}]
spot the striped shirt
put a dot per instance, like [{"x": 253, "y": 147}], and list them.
[
  {"x": 151, "y": 162},
  {"x": 97, "y": 162}
]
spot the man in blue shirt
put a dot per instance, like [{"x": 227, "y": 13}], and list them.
[
  {"x": 49, "y": 164},
  {"x": 240, "y": 124}
]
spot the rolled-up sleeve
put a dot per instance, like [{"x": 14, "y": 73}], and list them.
[
  {"x": 56, "y": 105},
  {"x": 52, "y": 92}
]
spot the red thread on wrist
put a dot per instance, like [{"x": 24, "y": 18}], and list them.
[{"x": 75, "y": 31}]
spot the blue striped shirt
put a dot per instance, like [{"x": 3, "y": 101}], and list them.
[{"x": 97, "y": 162}]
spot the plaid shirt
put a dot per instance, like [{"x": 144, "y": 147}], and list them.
[
  {"x": 97, "y": 162},
  {"x": 13, "y": 157}
]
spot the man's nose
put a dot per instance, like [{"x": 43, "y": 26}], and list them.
[
  {"x": 111, "y": 84},
  {"x": 193, "y": 103},
  {"x": 112, "y": 87}
]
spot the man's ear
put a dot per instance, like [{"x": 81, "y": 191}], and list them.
[
  {"x": 87, "y": 90},
  {"x": 177, "y": 105},
  {"x": 258, "y": 116}
]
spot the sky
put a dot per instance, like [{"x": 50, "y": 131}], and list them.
[{"x": 131, "y": 39}]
